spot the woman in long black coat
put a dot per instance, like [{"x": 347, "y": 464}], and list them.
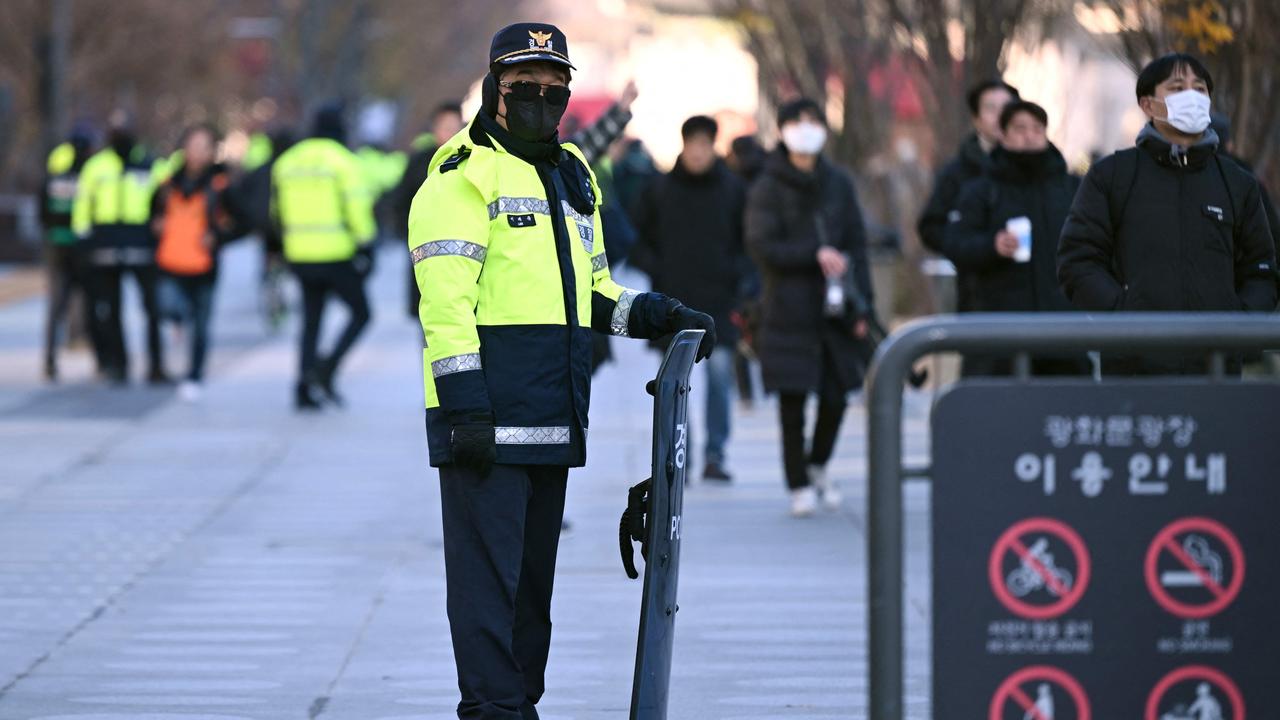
[{"x": 805, "y": 231}]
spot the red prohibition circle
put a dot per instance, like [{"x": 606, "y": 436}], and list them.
[
  {"x": 1196, "y": 672},
  {"x": 1011, "y": 539},
  {"x": 1223, "y": 596},
  {"x": 1038, "y": 673}
]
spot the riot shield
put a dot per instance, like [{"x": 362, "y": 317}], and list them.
[{"x": 653, "y": 517}]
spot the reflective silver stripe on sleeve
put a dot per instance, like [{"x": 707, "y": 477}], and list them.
[
  {"x": 455, "y": 364},
  {"x": 314, "y": 227},
  {"x": 620, "y": 323},
  {"x": 518, "y": 205},
  {"x": 531, "y": 435},
  {"x": 460, "y": 248},
  {"x": 599, "y": 262}
]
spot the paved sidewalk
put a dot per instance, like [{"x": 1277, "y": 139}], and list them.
[{"x": 231, "y": 559}]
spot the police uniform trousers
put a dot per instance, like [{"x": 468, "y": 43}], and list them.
[{"x": 501, "y": 533}]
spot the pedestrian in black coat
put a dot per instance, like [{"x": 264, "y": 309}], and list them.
[
  {"x": 1169, "y": 225},
  {"x": 804, "y": 228},
  {"x": 689, "y": 223},
  {"x": 986, "y": 101},
  {"x": 1027, "y": 183}
]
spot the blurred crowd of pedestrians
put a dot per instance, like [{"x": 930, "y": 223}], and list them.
[{"x": 770, "y": 242}]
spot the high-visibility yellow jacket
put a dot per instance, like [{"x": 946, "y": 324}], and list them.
[
  {"x": 513, "y": 282},
  {"x": 381, "y": 169},
  {"x": 112, "y": 209},
  {"x": 58, "y": 198},
  {"x": 320, "y": 202},
  {"x": 258, "y": 153}
]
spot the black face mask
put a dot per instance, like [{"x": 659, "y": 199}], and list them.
[{"x": 534, "y": 119}]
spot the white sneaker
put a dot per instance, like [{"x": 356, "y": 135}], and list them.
[
  {"x": 803, "y": 502},
  {"x": 189, "y": 391},
  {"x": 822, "y": 482}
]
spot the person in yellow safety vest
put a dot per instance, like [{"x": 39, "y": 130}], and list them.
[
  {"x": 112, "y": 215},
  {"x": 325, "y": 214},
  {"x": 65, "y": 257},
  {"x": 506, "y": 241}
]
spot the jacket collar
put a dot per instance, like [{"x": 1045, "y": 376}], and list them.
[
  {"x": 779, "y": 166},
  {"x": 1171, "y": 155},
  {"x": 972, "y": 156},
  {"x": 1027, "y": 167}
]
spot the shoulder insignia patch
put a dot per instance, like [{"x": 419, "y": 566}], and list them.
[{"x": 455, "y": 160}]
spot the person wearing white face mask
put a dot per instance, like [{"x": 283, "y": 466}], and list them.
[
  {"x": 1168, "y": 225},
  {"x": 804, "y": 228}
]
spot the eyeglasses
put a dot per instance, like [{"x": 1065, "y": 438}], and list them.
[{"x": 528, "y": 90}]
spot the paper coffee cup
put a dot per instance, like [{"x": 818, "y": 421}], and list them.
[{"x": 1020, "y": 227}]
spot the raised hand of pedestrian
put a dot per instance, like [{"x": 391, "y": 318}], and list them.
[
  {"x": 475, "y": 445},
  {"x": 629, "y": 95},
  {"x": 1006, "y": 244},
  {"x": 832, "y": 262},
  {"x": 680, "y": 318}
]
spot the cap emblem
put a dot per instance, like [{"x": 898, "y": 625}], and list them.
[{"x": 540, "y": 40}]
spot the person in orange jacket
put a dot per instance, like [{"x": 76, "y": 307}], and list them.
[{"x": 191, "y": 219}]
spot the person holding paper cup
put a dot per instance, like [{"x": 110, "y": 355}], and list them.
[{"x": 1005, "y": 232}]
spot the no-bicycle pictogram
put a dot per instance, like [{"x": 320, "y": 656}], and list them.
[{"x": 1039, "y": 568}]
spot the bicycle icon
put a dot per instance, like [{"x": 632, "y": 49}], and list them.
[{"x": 1028, "y": 578}]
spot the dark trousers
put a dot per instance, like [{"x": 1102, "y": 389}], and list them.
[
  {"x": 196, "y": 293},
  {"x": 318, "y": 281},
  {"x": 501, "y": 534},
  {"x": 831, "y": 405},
  {"x": 66, "y": 275},
  {"x": 104, "y": 282}
]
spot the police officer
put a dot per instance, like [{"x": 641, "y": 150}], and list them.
[
  {"x": 112, "y": 215},
  {"x": 507, "y": 247},
  {"x": 325, "y": 214},
  {"x": 66, "y": 265}
]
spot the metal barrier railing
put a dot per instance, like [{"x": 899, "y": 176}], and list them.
[{"x": 1014, "y": 334}]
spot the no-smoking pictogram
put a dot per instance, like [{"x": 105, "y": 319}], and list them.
[
  {"x": 1195, "y": 691},
  {"x": 1039, "y": 584},
  {"x": 1040, "y": 692},
  {"x": 1195, "y": 568}
]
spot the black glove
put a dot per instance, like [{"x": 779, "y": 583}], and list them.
[
  {"x": 363, "y": 260},
  {"x": 680, "y": 318},
  {"x": 474, "y": 445}
]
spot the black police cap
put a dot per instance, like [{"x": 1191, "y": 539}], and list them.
[{"x": 528, "y": 42}]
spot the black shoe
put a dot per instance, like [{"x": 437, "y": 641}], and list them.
[
  {"x": 116, "y": 377},
  {"x": 324, "y": 383},
  {"x": 51, "y": 371},
  {"x": 159, "y": 378},
  {"x": 714, "y": 471},
  {"x": 304, "y": 398}
]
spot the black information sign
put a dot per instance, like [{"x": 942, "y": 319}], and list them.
[{"x": 1106, "y": 551}]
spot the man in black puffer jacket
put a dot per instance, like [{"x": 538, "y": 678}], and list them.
[
  {"x": 689, "y": 224},
  {"x": 1028, "y": 179},
  {"x": 1168, "y": 225}
]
